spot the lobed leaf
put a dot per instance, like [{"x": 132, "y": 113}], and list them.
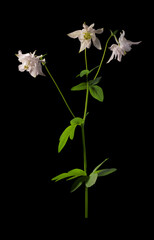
[
  {"x": 60, "y": 177},
  {"x": 64, "y": 137},
  {"x": 71, "y": 174},
  {"x": 72, "y": 132},
  {"x": 68, "y": 132}
]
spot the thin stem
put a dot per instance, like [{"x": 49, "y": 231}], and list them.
[
  {"x": 84, "y": 148},
  {"x": 83, "y": 139},
  {"x": 85, "y": 169},
  {"x": 59, "y": 91},
  {"x": 87, "y": 92},
  {"x": 86, "y": 59},
  {"x": 86, "y": 202},
  {"x": 103, "y": 56}
]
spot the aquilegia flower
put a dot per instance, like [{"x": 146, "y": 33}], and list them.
[
  {"x": 121, "y": 48},
  {"x": 31, "y": 63},
  {"x": 86, "y": 35}
]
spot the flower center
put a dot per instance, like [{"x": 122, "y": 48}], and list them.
[
  {"x": 87, "y": 36},
  {"x": 26, "y": 67}
]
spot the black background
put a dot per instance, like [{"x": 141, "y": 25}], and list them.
[{"x": 35, "y": 116}]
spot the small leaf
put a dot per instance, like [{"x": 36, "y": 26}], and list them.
[
  {"x": 92, "y": 179},
  {"x": 78, "y": 183},
  {"x": 77, "y": 171},
  {"x": 100, "y": 165},
  {"x": 72, "y": 132},
  {"x": 114, "y": 33},
  {"x": 77, "y": 121},
  {"x": 69, "y": 132},
  {"x": 105, "y": 172},
  {"x": 84, "y": 72},
  {"x": 64, "y": 137},
  {"x": 93, "y": 69},
  {"x": 72, "y": 173},
  {"x": 79, "y": 87},
  {"x": 60, "y": 177},
  {"x": 96, "y": 92},
  {"x": 95, "y": 81}
]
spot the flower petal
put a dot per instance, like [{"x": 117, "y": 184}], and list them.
[
  {"x": 21, "y": 68},
  {"x": 96, "y": 42},
  {"x": 90, "y": 28},
  {"x": 74, "y": 34},
  {"x": 111, "y": 58},
  {"x": 99, "y": 31},
  {"x": 126, "y": 44},
  {"x": 84, "y": 44}
]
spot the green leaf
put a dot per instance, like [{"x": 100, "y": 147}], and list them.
[
  {"x": 91, "y": 179},
  {"x": 77, "y": 171},
  {"x": 72, "y": 173},
  {"x": 84, "y": 72},
  {"x": 78, "y": 182},
  {"x": 105, "y": 172},
  {"x": 93, "y": 69},
  {"x": 77, "y": 121},
  {"x": 64, "y": 137},
  {"x": 114, "y": 33},
  {"x": 72, "y": 132},
  {"x": 68, "y": 132},
  {"x": 100, "y": 165},
  {"x": 60, "y": 177},
  {"x": 94, "y": 81},
  {"x": 96, "y": 92},
  {"x": 79, "y": 87}
]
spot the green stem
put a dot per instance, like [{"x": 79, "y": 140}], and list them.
[
  {"x": 87, "y": 92},
  {"x": 59, "y": 91},
  {"x": 103, "y": 56},
  {"x": 84, "y": 148},
  {"x": 83, "y": 140},
  {"x": 85, "y": 169},
  {"x": 86, "y": 202}
]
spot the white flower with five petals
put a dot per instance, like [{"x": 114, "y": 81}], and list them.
[
  {"x": 31, "y": 63},
  {"x": 121, "y": 48},
  {"x": 86, "y": 35}
]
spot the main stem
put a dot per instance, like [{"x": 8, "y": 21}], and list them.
[
  {"x": 83, "y": 140},
  {"x": 59, "y": 91}
]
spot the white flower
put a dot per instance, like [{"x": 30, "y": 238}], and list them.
[
  {"x": 86, "y": 35},
  {"x": 126, "y": 44},
  {"x": 121, "y": 48},
  {"x": 117, "y": 51},
  {"x": 31, "y": 63}
]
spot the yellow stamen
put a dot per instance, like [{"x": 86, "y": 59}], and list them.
[{"x": 87, "y": 36}]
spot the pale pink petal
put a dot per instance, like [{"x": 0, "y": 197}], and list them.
[
  {"x": 99, "y": 31},
  {"x": 74, "y": 34},
  {"x": 96, "y": 42}
]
